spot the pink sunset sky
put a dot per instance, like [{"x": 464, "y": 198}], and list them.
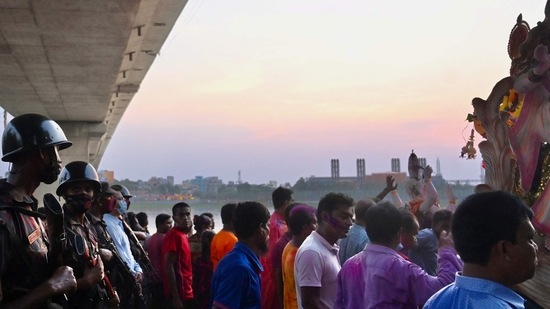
[{"x": 277, "y": 88}]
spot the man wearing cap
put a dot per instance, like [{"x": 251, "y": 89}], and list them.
[
  {"x": 123, "y": 278},
  {"x": 115, "y": 227},
  {"x": 31, "y": 143}
]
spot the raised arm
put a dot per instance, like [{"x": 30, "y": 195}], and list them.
[{"x": 390, "y": 186}]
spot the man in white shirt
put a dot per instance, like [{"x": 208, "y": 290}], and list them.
[
  {"x": 317, "y": 264},
  {"x": 115, "y": 228}
]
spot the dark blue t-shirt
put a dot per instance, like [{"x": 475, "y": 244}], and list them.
[{"x": 236, "y": 281}]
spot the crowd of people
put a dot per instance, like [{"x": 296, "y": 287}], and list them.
[{"x": 91, "y": 252}]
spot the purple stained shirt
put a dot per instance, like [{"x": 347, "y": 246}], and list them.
[
  {"x": 379, "y": 277},
  {"x": 277, "y": 250}
]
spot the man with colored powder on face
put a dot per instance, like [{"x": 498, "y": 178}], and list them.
[{"x": 317, "y": 265}]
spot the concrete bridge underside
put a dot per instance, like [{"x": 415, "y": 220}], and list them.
[{"x": 80, "y": 62}]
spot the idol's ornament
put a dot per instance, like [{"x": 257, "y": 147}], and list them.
[{"x": 469, "y": 151}]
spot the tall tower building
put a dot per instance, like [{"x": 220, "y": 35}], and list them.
[
  {"x": 335, "y": 168},
  {"x": 395, "y": 165},
  {"x": 361, "y": 169},
  {"x": 422, "y": 162},
  {"x": 437, "y": 167}
]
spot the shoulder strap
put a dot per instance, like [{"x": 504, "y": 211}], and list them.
[{"x": 24, "y": 211}]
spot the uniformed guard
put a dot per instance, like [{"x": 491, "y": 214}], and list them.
[
  {"x": 29, "y": 276},
  {"x": 79, "y": 185}
]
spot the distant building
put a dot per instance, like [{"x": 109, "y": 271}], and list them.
[
  {"x": 105, "y": 175},
  {"x": 156, "y": 181},
  {"x": 207, "y": 184},
  {"x": 395, "y": 165}
]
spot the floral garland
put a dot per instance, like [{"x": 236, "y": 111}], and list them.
[{"x": 512, "y": 104}]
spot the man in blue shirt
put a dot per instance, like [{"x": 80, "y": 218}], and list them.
[
  {"x": 236, "y": 281},
  {"x": 357, "y": 237},
  {"x": 494, "y": 237},
  {"x": 424, "y": 253}
]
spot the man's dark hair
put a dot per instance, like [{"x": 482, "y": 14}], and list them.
[
  {"x": 361, "y": 208},
  {"x": 161, "y": 218},
  {"x": 408, "y": 220},
  {"x": 483, "y": 219},
  {"x": 383, "y": 221},
  {"x": 299, "y": 216},
  {"x": 248, "y": 216},
  {"x": 142, "y": 219},
  {"x": 442, "y": 215},
  {"x": 201, "y": 222},
  {"x": 280, "y": 196},
  {"x": 331, "y": 201},
  {"x": 178, "y": 206},
  {"x": 227, "y": 213}
]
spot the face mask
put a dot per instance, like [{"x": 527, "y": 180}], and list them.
[
  {"x": 52, "y": 167},
  {"x": 79, "y": 203},
  {"x": 109, "y": 204},
  {"x": 123, "y": 206}
]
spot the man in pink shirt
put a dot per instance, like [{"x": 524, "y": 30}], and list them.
[
  {"x": 281, "y": 197},
  {"x": 154, "y": 250},
  {"x": 379, "y": 277}
]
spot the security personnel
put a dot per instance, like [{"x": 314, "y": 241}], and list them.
[
  {"x": 125, "y": 193},
  {"x": 79, "y": 185},
  {"x": 30, "y": 142},
  {"x": 122, "y": 278}
]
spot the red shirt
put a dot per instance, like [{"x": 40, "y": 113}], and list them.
[
  {"x": 176, "y": 241},
  {"x": 154, "y": 250}
]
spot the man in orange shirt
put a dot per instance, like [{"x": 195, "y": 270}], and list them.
[
  {"x": 224, "y": 240},
  {"x": 301, "y": 222}
]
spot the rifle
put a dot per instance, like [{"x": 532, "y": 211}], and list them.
[
  {"x": 56, "y": 233},
  {"x": 124, "y": 271},
  {"x": 92, "y": 260},
  {"x": 143, "y": 260},
  {"x": 56, "y": 229}
]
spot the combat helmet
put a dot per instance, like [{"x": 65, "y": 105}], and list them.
[
  {"x": 77, "y": 171},
  {"x": 123, "y": 190},
  {"x": 30, "y": 132}
]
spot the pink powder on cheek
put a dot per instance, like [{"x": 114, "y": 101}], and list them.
[{"x": 333, "y": 222}]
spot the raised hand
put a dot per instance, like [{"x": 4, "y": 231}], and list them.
[
  {"x": 390, "y": 183},
  {"x": 446, "y": 239}
]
